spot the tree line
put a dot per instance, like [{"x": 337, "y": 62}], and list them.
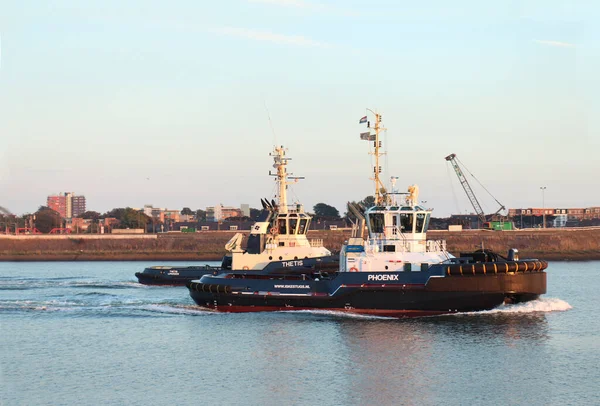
[{"x": 45, "y": 219}]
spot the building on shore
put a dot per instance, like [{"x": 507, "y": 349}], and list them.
[
  {"x": 220, "y": 212},
  {"x": 555, "y": 217},
  {"x": 68, "y": 205},
  {"x": 241, "y": 224}
]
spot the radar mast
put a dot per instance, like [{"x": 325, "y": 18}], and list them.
[
  {"x": 380, "y": 191},
  {"x": 282, "y": 177}
]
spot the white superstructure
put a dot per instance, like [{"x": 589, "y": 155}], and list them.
[
  {"x": 280, "y": 235},
  {"x": 397, "y": 233}
]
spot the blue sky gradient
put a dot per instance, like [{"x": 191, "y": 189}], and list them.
[{"x": 149, "y": 102}]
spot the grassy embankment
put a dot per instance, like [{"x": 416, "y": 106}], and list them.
[{"x": 550, "y": 244}]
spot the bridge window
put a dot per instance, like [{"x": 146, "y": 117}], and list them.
[
  {"x": 420, "y": 222},
  {"x": 303, "y": 226},
  {"x": 406, "y": 222},
  {"x": 376, "y": 222},
  {"x": 293, "y": 224},
  {"x": 282, "y": 226}
]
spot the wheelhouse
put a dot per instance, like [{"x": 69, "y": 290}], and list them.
[
  {"x": 395, "y": 221},
  {"x": 294, "y": 222}
]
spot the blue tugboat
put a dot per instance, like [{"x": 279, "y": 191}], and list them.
[
  {"x": 175, "y": 275},
  {"x": 395, "y": 271},
  {"x": 277, "y": 242}
]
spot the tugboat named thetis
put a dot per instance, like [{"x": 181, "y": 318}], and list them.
[
  {"x": 277, "y": 242},
  {"x": 394, "y": 272}
]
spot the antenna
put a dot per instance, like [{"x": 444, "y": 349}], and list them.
[
  {"x": 270, "y": 123},
  {"x": 380, "y": 191}
]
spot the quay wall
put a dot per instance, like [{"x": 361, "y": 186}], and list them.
[{"x": 549, "y": 244}]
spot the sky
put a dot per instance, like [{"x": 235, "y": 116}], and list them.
[{"x": 178, "y": 104}]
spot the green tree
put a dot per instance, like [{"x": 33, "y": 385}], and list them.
[
  {"x": 90, "y": 215},
  {"x": 254, "y": 213},
  {"x": 129, "y": 218},
  {"x": 114, "y": 213},
  {"x": 325, "y": 211},
  {"x": 46, "y": 219},
  {"x": 186, "y": 211},
  {"x": 368, "y": 201},
  {"x": 237, "y": 219},
  {"x": 200, "y": 215}
]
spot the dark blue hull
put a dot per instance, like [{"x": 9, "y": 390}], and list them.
[
  {"x": 174, "y": 275},
  {"x": 179, "y": 276},
  {"x": 436, "y": 290}
]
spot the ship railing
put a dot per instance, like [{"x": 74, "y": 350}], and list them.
[
  {"x": 406, "y": 245},
  {"x": 394, "y": 231},
  {"x": 377, "y": 245},
  {"x": 295, "y": 208},
  {"x": 316, "y": 242},
  {"x": 436, "y": 245}
]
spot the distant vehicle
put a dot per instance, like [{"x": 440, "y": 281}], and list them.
[{"x": 499, "y": 225}]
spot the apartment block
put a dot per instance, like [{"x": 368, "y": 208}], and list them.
[{"x": 68, "y": 205}]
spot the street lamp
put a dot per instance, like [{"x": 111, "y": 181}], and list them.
[{"x": 543, "y": 188}]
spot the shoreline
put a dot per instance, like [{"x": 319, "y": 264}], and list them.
[{"x": 582, "y": 244}]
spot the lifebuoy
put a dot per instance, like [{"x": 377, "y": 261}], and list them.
[
  {"x": 273, "y": 230},
  {"x": 354, "y": 269},
  {"x": 245, "y": 268}
]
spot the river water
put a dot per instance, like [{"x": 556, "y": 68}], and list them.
[{"x": 86, "y": 333}]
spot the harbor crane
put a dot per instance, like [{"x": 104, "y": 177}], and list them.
[{"x": 485, "y": 220}]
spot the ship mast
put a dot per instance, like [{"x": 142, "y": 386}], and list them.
[
  {"x": 281, "y": 177},
  {"x": 379, "y": 188}
]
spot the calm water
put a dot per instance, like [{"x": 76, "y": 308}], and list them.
[{"x": 88, "y": 334}]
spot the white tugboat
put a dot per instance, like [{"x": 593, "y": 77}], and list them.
[
  {"x": 394, "y": 271},
  {"x": 277, "y": 241}
]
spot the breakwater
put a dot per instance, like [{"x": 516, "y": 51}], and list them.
[{"x": 549, "y": 244}]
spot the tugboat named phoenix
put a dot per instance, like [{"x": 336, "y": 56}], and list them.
[
  {"x": 395, "y": 271},
  {"x": 277, "y": 242}
]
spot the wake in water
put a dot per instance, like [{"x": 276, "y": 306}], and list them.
[
  {"x": 45, "y": 283},
  {"x": 542, "y": 305},
  {"x": 190, "y": 310},
  {"x": 121, "y": 308},
  {"x": 340, "y": 314}
]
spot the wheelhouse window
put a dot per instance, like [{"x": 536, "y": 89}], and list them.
[
  {"x": 376, "y": 222},
  {"x": 426, "y": 226},
  {"x": 420, "y": 222},
  {"x": 282, "y": 226},
  {"x": 406, "y": 222},
  {"x": 293, "y": 224},
  {"x": 303, "y": 226}
]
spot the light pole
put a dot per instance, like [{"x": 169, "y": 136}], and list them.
[{"x": 543, "y": 188}]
